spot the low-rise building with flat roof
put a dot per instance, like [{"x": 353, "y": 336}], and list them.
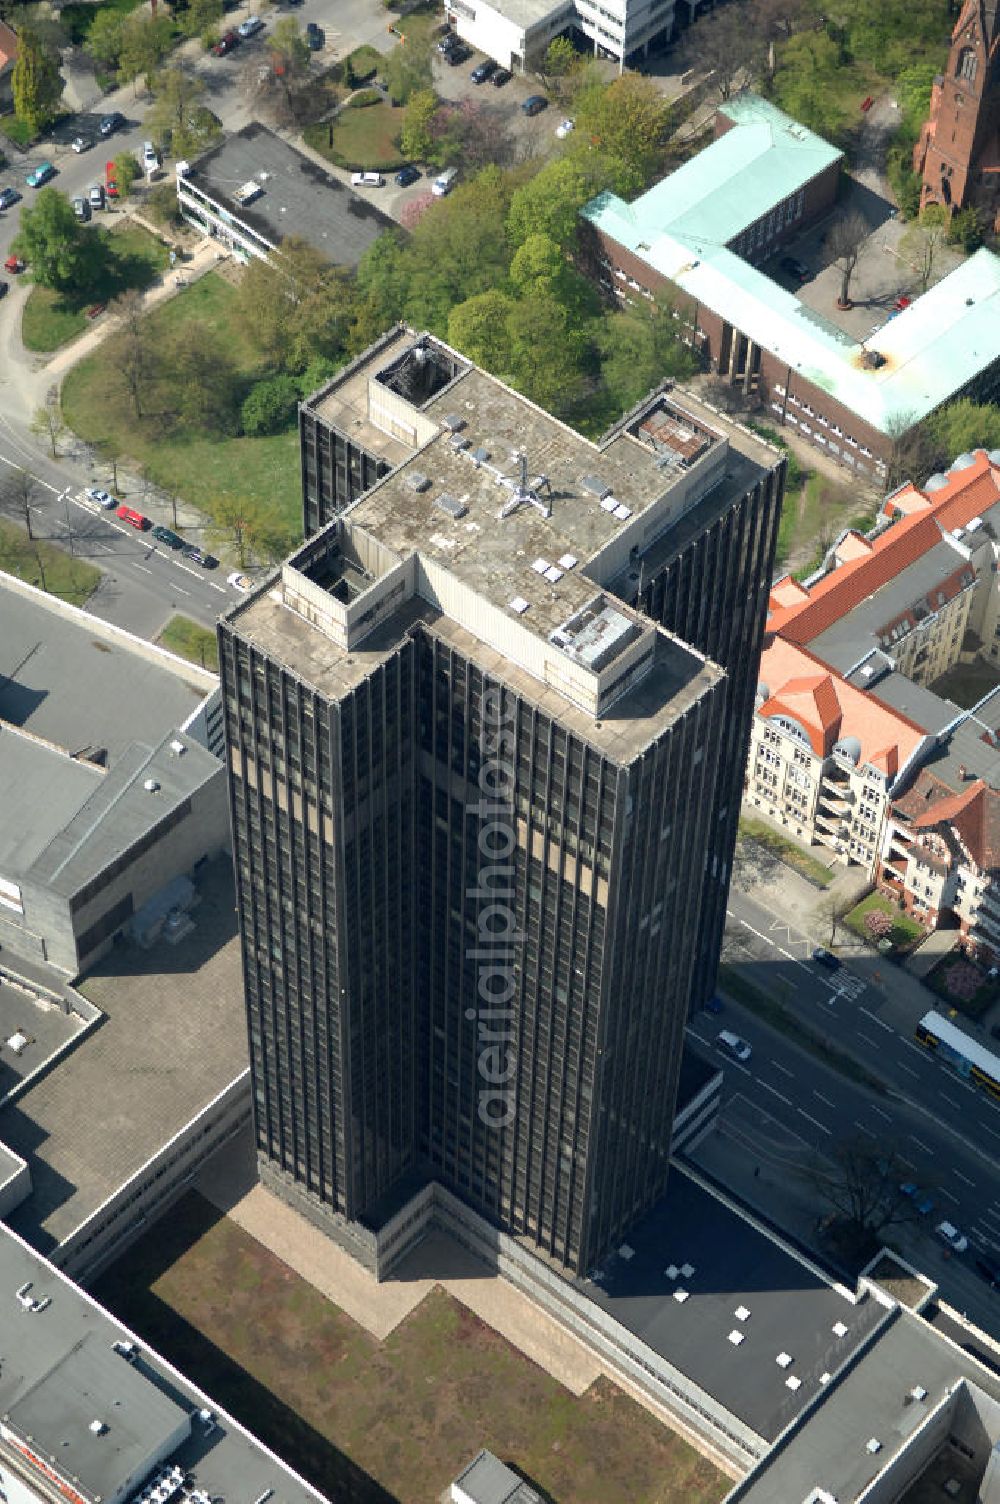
[
  {"x": 702, "y": 232},
  {"x": 111, "y": 784},
  {"x": 254, "y": 189},
  {"x": 90, "y": 1414}
]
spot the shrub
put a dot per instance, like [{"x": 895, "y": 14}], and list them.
[
  {"x": 878, "y": 924},
  {"x": 270, "y": 406},
  {"x": 365, "y": 98}
]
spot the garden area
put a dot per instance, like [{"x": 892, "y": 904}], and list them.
[
  {"x": 786, "y": 850},
  {"x": 195, "y": 348},
  {"x": 131, "y": 257},
  {"x": 363, "y": 136},
  {"x": 189, "y": 640},
  {"x": 964, "y": 984},
  {"x": 372, "y": 1421},
  {"x": 877, "y": 918},
  {"x": 45, "y": 565}
]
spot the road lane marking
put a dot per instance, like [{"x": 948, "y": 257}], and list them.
[
  {"x": 959, "y": 1176},
  {"x": 875, "y": 1020},
  {"x": 787, "y": 1101},
  {"x": 181, "y": 591},
  {"x": 988, "y": 1130},
  {"x": 701, "y": 1038},
  {"x": 142, "y": 567},
  {"x": 783, "y": 1069},
  {"x": 880, "y": 1114},
  {"x": 220, "y": 588},
  {"x": 867, "y": 1039},
  {"x": 950, "y": 1100},
  {"x": 815, "y": 1123},
  {"x": 946, "y": 1195},
  {"x": 775, "y": 946},
  {"x": 870, "y": 1131},
  {"x": 908, "y": 1069},
  {"x": 920, "y": 1144},
  {"x": 825, "y": 1100},
  {"x": 916, "y": 1048}
]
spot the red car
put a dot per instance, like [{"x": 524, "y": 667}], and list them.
[
  {"x": 901, "y": 303},
  {"x": 866, "y": 105},
  {"x": 225, "y": 44},
  {"x": 13, "y": 264},
  {"x": 134, "y": 519},
  {"x": 110, "y": 180}
]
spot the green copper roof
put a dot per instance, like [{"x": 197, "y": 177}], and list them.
[{"x": 681, "y": 228}]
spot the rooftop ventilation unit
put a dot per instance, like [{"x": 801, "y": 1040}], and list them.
[
  {"x": 177, "y": 747},
  {"x": 416, "y": 480},
  {"x": 480, "y": 455},
  {"x": 596, "y": 486},
  {"x": 918, "y": 1392},
  {"x": 247, "y": 193},
  {"x": 454, "y": 422},
  {"x": 151, "y": 786},
  {"x": 936, "y": 482},
  {"x": 451, "y": 504},
  {"x": 459, "y": 441},
  {"x": 518, "y": 604},
  {"x": 873, "y": 1445},
  {"x": 97, "y": 1427}
]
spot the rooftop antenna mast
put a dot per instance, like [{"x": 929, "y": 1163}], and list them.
[{"x": 523, "y": 493}]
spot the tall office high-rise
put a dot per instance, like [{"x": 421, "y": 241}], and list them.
[{"x": 483, "y": 807}]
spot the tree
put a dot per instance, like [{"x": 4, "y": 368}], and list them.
[
  {"x": 560, "y": 58},
  {"x": 804, "y": 82},
  {"x": 968, "y": 229},
  {"x": 546, "y": 353},
  {"x": 146, "y": 40},
  {"x": 860, "y": 1181},
  {"x": 47, "y": 420},
  {"x": 36, "y": 82},
  {"x": 961, "y": 426},
  {"x": 232, "y": 525},
  {"x": 831, "y": 909},
  {"x": 878, "y": 924},
  {"x": 178, "y": 114},
  {"x": 415, "y": 137},
  {"x": 296, "y": 305},
  {"x": 914, "y": 452},
  {"x": 924, "y": 241},
  {"x": 111, "y": 451},
  {"x": 628, "y": 119},
  {"x": 550, "y": 202},
  {"x": 135, "y": 362},
  {"x": 638, "y": 348},
  {"x": 201, "y": 16},
  {"x": 280, "y": 86},
  {"x": 127, "y": 170},
  {"x": 17, "y": 490},
  {"x": 270, "y": 406},
  {"x": 481, "y": 135},
  {"x": 53, "y": 240},
  {"x": 844, "y": 240},
  {"x": 478, "y": 327},
  {"x": 726, "y": 46},
  {"x": 408, "y": 69},
  {"x": 203, "y": 380},
  {"x": 106, "y": 37}
]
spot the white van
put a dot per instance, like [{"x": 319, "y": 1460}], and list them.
[
  {"x": 367, "y": 180},
  {"x": 445, "y": 182}
]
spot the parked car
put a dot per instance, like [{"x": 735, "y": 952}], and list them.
[
  {"x": 793, "y": 267},
  {"x": 483, "y": 71},
  {"x": 367, "y": 180},
  {"x": 448, "y": 42},
  {"x": 100, "y": 498},
  {"x": 111, "y": 180},
  {"x": 407, "y": 175},
  {"x": 8, "y": 196},
  {"x": 4, "y": 288},
  {"x": 444, "y": 182},
  {"x": 733, "y": 1045},
  {"x": 458, "y": 54},
  {"x": 563, "y": 129},
  {"x": 150, "y": 157},
  {"x": 96, "y": 196},
  {"x": 949, "y": 1233},
  {"x": 80, "y": 144},
  {"x": 824, "y": 957},
  {"x": 315, "y": 37},
  {"x": 241, "y": 582},
  {"x": 40, "y": 175},
  {"x": 501, "y": 76},
  {"x": 902, "y": 302},
  {"x": 14, "y": 264},
  {"x": 250, "y": 27},
  {"x": 81, "y": 208},
  {"x": 714, "y": 1004},
  {"x": 922, "y": 1202},
  {"x": 989, "y": 1270},
  {"x": 199, "y": 556},
  {"x": 134, "y": 519},
  {"x": 534, "y": 104},
  {"x": 866, "y": 104},
  {"x": 169, "y": 537},
  {"x": 226, "y": 43},
  {"x": 111, "y": 123}
]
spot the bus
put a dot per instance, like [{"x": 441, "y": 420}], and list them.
[{"x": 971, "y": 1060}]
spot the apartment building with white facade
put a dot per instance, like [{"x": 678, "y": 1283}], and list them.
[{"x": 517, "y": 32}]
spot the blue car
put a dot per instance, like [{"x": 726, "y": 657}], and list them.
[
  {"x": 41, "y": 175},
  {"x": 921, "y": 1201},
  {"x": 406, "y": 176}
]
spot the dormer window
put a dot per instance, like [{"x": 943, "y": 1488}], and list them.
[{"x": 967, "y": 63}]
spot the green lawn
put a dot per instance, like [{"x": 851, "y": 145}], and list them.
[
  {"x": 789, "y": 851},
  {"x": 44, "y": 564},
  {"x": 134, "y": 259},
  {"x": 904, "y": 929},
  {"x": 359, "y": 1417},
  {"x": 189, "y": 640},
  {"x": 364, "y": 139},
  {"x": 15, "y": 130},
  {"x": 95, "y": 405}
]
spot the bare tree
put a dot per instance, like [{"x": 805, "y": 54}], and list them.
[
  {"x": 923, "y": 242},
  {"x": 726, "y": 45},
  {"x": 844, "y": 240},
  {"x": 861, "y": 1181},
  {"x": 19, "y": 487},
  {"x": 135, "y": 362},
  {"x": 832, "y": 909},
  {"x": 111, "y": 452},
  {"x": 47, "y": 421}
]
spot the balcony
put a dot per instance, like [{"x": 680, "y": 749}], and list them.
[
  {"x": 832, "y": 823},
  {"x": 836, "y": 802}
]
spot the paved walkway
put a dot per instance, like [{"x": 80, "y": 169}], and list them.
[{"x": 228, "y": 1182}]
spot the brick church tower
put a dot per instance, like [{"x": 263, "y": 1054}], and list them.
[{"x": 958, "y": 154}]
